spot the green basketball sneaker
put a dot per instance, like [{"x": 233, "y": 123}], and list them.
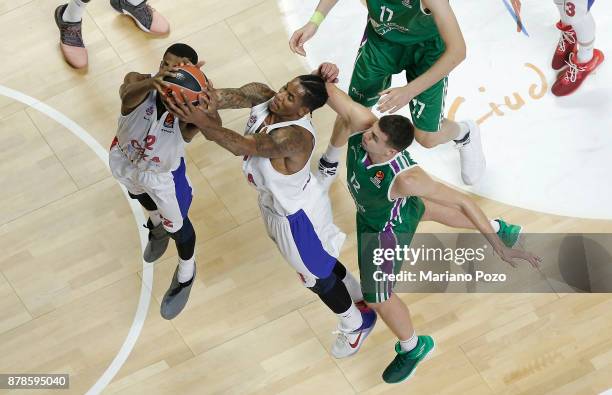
[
  {"x": 405, "y": 363},
  {"x": 508, "y": 233}
]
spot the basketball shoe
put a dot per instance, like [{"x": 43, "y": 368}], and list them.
[
  {"x": 405, "y": 362},
  {"x": 473, "y": 163},
  {"x": 576, "y": 73},
  {"x": 176, "y": 296},
  {"x": 145, "y": 16},
  {"x": 158, "y": 242},
  {"x": 348, "y": 343},
  {"x": 565, "y": 46},
  {"x": 508, "y": 233},
  {"x": 71, "y": 40}
]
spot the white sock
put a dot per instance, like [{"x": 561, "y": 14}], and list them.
[
  {"x": 495, "y": 225},
  {"x": 409, "y": 344},
  {"x": 464, "y": 129},
  {"x": 135, "y": 2},
  {"x": 332, "y": 154},
  {"x": 74, "y": 11},
  {"x": 186, "y": 269},
  {"x": 155, "y": 217},
  {"x": 350, "y": 320},
  {"x": 560, "y": 7},
  {"x": 585, "y": 35},
  {"x": 353, "y": 287}
]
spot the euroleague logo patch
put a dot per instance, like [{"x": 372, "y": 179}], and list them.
[
  {"x": 378, "y": 178},
  {"x": 169, "y": 121}
]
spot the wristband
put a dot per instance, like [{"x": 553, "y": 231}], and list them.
[{"x": 317, "y": 18}]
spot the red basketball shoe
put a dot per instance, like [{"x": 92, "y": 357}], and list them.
[
  {"x": 566, "y": 45},
  {"x": 576, "y": 73}
]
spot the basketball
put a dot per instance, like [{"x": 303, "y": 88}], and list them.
[{"x": 190, "y": 79}]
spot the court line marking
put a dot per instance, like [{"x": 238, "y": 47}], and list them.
[{"x": 147, "y": 268}]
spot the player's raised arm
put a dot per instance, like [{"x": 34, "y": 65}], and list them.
[
  {"x": 356, "y": 116},
  {"x": 415, "y": 182},
  {"x": 136, "y": 87},
  {"x": 283, "y": 143},
  {"x": 247, "y": 96},
  {"x": 306, "y": 32}
]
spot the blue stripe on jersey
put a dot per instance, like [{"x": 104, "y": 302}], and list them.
[
  {"x": 184, "y": 193},
  {"x": 314, "y": 256},
  {"x": 590, "y": 4}
]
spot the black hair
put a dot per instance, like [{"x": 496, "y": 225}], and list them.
[
  {"x": 399, "y": 131},
  {"x": 315, "y": 95},
  {"x": 183, "y": 51}
]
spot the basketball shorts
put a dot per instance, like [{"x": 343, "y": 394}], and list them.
[
  {"x": 307, "y": 239},
  {"x": 371, "y": 244},
  {"x": 171, "y": 191},
  {"x": 378, "y": 60}
]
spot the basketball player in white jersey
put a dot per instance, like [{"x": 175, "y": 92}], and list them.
[
  {"x": 68, "y": 18},
  {"x": 147, "y": 157},
  {"x": 277, "y": 148}
]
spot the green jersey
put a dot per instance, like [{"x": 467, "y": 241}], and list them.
[
  {"x": 370, "y": 185},
  {"x": 401, "y": 21}
]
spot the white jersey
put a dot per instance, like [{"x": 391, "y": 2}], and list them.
[
  {"x": 150, "y": 144},
  {"x": 280, "y": 193}
]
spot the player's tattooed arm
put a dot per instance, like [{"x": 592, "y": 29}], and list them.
[
  {"x": 282, "y": 143},
  {"x": 247, "y": 96}
]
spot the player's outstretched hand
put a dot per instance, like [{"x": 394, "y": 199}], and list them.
[
  {"x": 201, "y": 115},
  {"x": 511, "y": 255},
  {"x": 300, "y": 36},
  {"x": 328, "y": 71},
  {"x": 158, "y": 79},
  {"x": 394, "y": 99}
]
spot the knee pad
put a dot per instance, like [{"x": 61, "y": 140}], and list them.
[
  {"x": 339, "y": 270},
  {"x": 324, "y": 285},
  {"x": 185, "y": 233}
]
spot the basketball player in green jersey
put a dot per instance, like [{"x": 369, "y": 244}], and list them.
[
  {"x": 393, "y": 195},
  {"x": 421, "y": 38}
]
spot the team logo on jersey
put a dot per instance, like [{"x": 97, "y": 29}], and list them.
[
  {"x": 377, "y": 179},
  {"x": 149, "y": 111},
  {"x": 169, "y": 121},
  {"x": 251, "y": 122},
  {"x": 407, "y": 3}
]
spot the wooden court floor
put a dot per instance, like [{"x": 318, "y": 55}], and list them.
[{"x": 70, "y": 268}]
